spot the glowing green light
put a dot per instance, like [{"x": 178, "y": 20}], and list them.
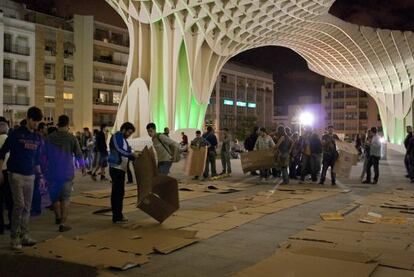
[
  {"x": 251, "y": 105},
  {"x": 241, "y": 104},
  {"x": 228, "y": 102}
]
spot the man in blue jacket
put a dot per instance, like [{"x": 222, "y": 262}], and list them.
[
  {"x": 23, "y": 164},
  {"x": 61, "y": 146},
  {"x": 120, "y": 153},
  {"x": 211, "y": 138}
]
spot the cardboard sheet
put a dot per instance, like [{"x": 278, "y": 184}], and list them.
[
  {"x": 331, "y": 216},
  {"x": 157, "y": 194},
  {"x": 140, "y": 240},
  {"x": 83, "y": 253},
  {"x": 382, "y": 271},
  {"x": 286, "y": 264},
  {"x": 196, "y": 161},
  {"x": 259, "y": 159}
]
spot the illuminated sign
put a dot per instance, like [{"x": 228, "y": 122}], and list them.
[
  {"x": 241, "y": 104},
  {"x": 251, "y": 105},
  {"x": 228, "y": 102}
]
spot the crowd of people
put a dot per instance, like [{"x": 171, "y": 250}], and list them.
[{"x": 36, "y": 157}]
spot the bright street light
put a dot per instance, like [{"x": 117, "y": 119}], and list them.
[{"x": 306, "y": 119}]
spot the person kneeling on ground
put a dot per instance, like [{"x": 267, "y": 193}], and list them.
[
  {"x": 120, "y": 153},
  {"x": 60, "y": 148}
]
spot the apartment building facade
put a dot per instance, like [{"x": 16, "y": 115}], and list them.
[
  {"x": 350, "y": 110},
  {"x": 72, "y": 66},
  {"x": 242, "y": 97},
  {"x": 17, "y": 52}
]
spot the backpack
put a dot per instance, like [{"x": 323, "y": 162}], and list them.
[{"x": 173, "y": 150}]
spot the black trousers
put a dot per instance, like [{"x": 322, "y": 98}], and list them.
[
  {"x": 211, "y": 161},
  {"x": 373, "y": 162},
  {"x": 326, "y": 163},
  {"x": 6, "y": 200},
  {"x": 118, "y": 192}
]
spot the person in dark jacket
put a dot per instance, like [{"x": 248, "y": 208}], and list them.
[
  {"x": 23, "y": 164},
  {"x": 316, "y": 155},
  {"x": 120, "y": 153},
  {"x": 250, "y": 142},
  {"x": 211, "y": 138},
  {"x": 407, "y": 155},
  {"x": 295, "y": 155},
  {"x": 61, "y": 146},
  {"x": 101, "y": 153},
  {"x": 330, "y": 155}
]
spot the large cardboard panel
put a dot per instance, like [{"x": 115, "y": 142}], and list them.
[
  {"x": 259, "y": 159},
  {"x": 348, "y": 156},
  {"x": 196, "y": 161},
  {"x": 162, "y": 201},
  {"x": 286, "y": 264},
  {"x": 82, "y": 253},
  {"x": 157, "y": 194},
  {"x": 382, "y": 271}
]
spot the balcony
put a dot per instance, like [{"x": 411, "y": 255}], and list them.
[
  {"x": 105, "y": 103},
  {"x": 16, "y": 75},
  {"x": 17, "y": 49},
  {"x": 107, "y": 80},
  {"x": 16, "y": 100},
  {"x": 105, "y": 38},
  {"x": 109, "y": 60}
]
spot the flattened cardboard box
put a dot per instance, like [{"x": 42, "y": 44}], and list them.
[
  {"x": 259, "y": 159},
  {"x": 348, "y": 156},
  {"x": 157, "y": 194},
  {"x": 285, "y": 264},
  {"x": 196, "y": 161}
]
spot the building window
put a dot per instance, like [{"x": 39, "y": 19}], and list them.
[
  {"x": 241, "y": 104},
  {"x": 49, "y": 71},
  {"x": 116, "y": 97},
  {"x": 67, "y": 96},
  {"x": 7, "y": 42},
  {"x": 224, "y": 79},
  {"x": 228, "y": 102},
  {"x": 7, "y": 68},
  {"x": 68, "y": 73}
]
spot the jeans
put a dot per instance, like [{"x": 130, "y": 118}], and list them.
[
  {"x": 5, "y": 200},
  {"x": 117, "y": 193},
  {"x": 294, "y": 167},
  {"x": 328, "y": 162},
  {"x": 164, "y": 167},
  {"x": 306, "y": 167},
  {"x": 373, "y": 161},
  {"x": 211, "y": 160},
  {"x": 22, "y": 192},
  {"x": 225, "y": 161}
]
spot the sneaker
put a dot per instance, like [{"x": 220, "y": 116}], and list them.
[
  {"x": 28, "y": 241},
  {"x": 16, "y": 244},
  {"x": 64, "y": 228},
  {"x": 124, "y": 220},
  {"x": 366, "y": 182}
]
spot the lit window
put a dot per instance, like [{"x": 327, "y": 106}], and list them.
[
  {"x": 251, "y": 105},
  {"x": 229, "y": 102},
  {"x": 116, "y": 97},
  {"x": 241, "y": 104},
  {"x": 67, "y": 96}
]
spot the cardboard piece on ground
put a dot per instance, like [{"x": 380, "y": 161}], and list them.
[
  {"x": 196, "y": 161},
  {"x": 141, "y": 240},
  {"x": 157, "y": 195},
  {"x": 382, "y": 271},
  {"x": 397, "y": 259},
  {"x": 259, "y": 159},
  {"x": 79, "y": 252},
  {"x": 204, "y": 233},
  {"x": 337, "y": 254},
  {"x": 331, "y": 216},
  {"x": 285, "y": 263}
]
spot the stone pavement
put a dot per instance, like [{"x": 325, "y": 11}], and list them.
[{"x": 230, "y": 251}]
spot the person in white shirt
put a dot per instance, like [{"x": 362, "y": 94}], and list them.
[{"x": 374, "y": 157}]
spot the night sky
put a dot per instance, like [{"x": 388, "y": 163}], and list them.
[{"x": 291, "y": 74}]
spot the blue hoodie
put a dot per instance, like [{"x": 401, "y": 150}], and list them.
[{"x": 118, "y": 149}]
